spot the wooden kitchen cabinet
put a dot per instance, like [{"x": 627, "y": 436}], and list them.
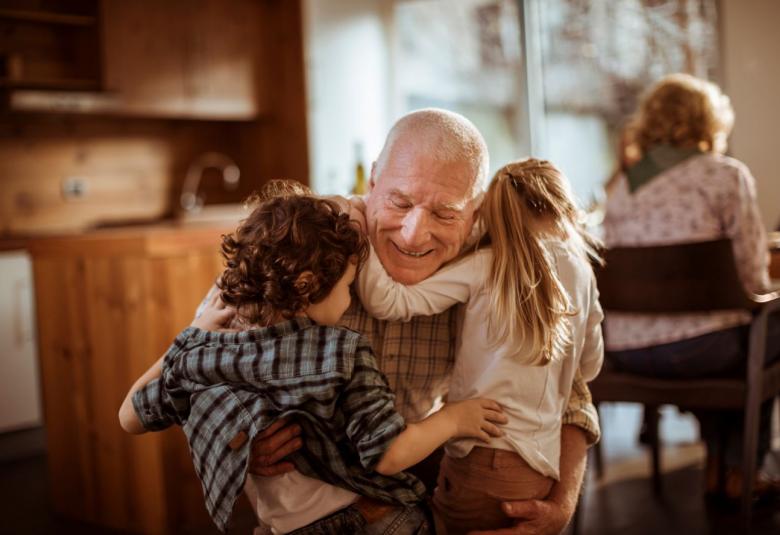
[
  {"x": 183, "y": 58},
  {"x": 79, "y": 162},
  {"x": 109, "y": 303},
  {"x": 180, "y": 59},
  {"x": 49, "y": 45}
]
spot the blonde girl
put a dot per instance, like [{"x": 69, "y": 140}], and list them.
[{"x": 531, "y": 320}]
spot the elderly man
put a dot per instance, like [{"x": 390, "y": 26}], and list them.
[{"x": 424, "y": 191}]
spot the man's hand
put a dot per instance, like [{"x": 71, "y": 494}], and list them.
[
  {"x": 275, "y": 443},
  {"x": 536, "y": 517},
  {"x": 551, "y": 516}
]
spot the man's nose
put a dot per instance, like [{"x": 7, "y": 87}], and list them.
[{"x": 416, "y": 229}]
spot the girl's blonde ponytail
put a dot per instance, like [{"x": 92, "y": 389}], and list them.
[{"x": 528, "y": 202}]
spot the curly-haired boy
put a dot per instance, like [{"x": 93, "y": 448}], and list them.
[{"x": 290, "y": 265}]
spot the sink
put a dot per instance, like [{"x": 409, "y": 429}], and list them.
[
  {"x": 224, "y": 215},
  {"x": 231, "y": 213}
]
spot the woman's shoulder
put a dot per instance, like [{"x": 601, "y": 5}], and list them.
[{"x": 716, "y": 164}]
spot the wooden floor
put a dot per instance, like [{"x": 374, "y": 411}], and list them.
[{"x": 622, "y": 503}]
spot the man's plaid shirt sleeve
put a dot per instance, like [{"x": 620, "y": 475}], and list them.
[
  {"x": 581, "y": 412},
  {"x": 369, "y": 408}
]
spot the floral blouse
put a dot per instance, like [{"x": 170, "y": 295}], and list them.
[{"x": 705, "y": 197}]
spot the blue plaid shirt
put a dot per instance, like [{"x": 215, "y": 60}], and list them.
[{"x": 224, "y": 388}]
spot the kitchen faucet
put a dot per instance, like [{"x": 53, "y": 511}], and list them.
[{"x": 190, "y": 200}]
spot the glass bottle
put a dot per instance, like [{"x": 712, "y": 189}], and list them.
[{"x": 359, "y": 188}]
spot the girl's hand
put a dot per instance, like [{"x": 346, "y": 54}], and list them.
[
  {"x": 215, "y": 315},
  {"x": 476, "y": 418},
  {"x": 355, "y": 206},
  {"x": 342, "y": 201},
  {"x": 357, "y": 211}
]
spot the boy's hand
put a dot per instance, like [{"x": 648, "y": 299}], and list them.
[
  {"x": 476, "y": 418},
  {"x": 215, "y": 315}
]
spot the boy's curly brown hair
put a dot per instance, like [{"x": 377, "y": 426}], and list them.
[{"x": 289, "y": 233}]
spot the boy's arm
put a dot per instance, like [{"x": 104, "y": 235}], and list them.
[
  {"x": 128, "y": 418},
  {"x": 470, "y": 418},
  {"x": 212, "y": 314},
  {"x": 386, "y": 299},
  {"x": 378, "y": 432}
]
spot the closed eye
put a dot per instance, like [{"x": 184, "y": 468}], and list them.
[
  {"x": 401, "y": 204},
  {"x": 445, "y": 216}
]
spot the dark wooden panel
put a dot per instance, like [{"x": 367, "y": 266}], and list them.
[{"x": 103, "y": 319}]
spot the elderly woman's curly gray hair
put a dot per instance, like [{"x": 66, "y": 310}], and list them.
[{"x": 683, "y": 111}]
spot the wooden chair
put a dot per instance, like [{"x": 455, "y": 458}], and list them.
[{"x": 689, "y": 278}]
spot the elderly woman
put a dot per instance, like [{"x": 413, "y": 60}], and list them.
[{"x": 683, "y": 189}]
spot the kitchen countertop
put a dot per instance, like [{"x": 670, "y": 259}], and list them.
[
  {"x": 161, "y": 238},
  {"x": 14, "y": 244}
]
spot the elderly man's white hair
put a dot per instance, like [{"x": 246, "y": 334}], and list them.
[{"x": 447, "y": 136}]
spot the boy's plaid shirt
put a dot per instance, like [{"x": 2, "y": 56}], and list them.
[{"x": 224, "y": 388}]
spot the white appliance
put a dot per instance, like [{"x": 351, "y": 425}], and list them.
[{"x": 20, "y": 396}]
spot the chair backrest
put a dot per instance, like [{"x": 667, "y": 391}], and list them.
[{"x": 690, "y": 277}]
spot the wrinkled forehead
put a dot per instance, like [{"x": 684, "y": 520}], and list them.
[{"x": 415, "y": 171}]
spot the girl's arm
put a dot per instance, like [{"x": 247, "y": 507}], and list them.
[
  {"x": 593, "y": 349},
  {"x": 355, "y": 206},
  {"x": 471, "y": 418},
  {"x": 386, "y": 299}
]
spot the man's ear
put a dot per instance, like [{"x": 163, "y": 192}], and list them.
[{"x": 372, "y": 178}]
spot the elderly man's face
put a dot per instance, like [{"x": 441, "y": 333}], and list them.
[{"x": 419, "y": 213}]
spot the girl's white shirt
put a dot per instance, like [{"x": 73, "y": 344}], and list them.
[{"x": 534, "y": 398}]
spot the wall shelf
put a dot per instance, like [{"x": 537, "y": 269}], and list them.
[
  {"x": 51, "y": 45},
  {"x": 63, "y": 84},
  {"x": 47, "y": 17}
]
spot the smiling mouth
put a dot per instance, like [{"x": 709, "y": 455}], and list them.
[{"x": 413, "y": 254}]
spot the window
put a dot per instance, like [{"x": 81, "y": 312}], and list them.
[
  {"x": 595, "y": 60},
  {"x": 464, "y": 56}
]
